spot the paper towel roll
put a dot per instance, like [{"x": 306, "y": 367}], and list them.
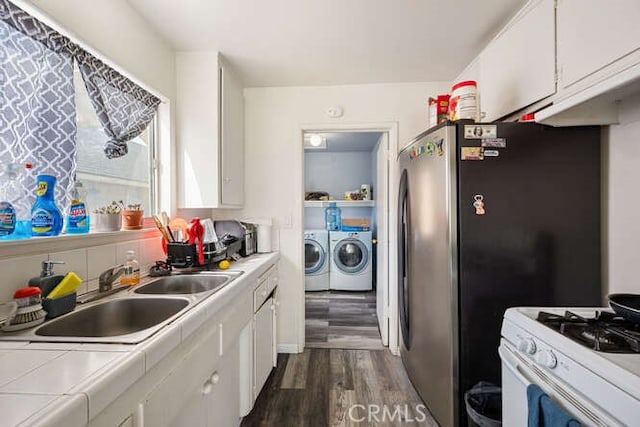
[
  {"x": 263, "y": 226},
  {"x": 264, "y": 238}
]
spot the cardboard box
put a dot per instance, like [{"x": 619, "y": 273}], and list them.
[{"x": 355, "y": 222}]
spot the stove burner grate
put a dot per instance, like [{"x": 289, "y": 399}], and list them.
[{"x": 606, "y": 332}]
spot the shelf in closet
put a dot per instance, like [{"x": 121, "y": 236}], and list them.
[{"x": 340, "y": 203}]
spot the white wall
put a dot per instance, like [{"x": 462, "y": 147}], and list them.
[
  {"x": 274, "y": 161},
  {"x": 114, "y": 29},
  {"x": 624, "y": 200},
  {"x": 337, "y": 172}
]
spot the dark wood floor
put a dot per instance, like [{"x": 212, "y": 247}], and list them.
[
  {"x": 338, "y": 319},
  {"x": 337, "y": 387}
]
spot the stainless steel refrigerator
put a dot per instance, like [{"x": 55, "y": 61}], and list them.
[{"x": 490, "y": 216}]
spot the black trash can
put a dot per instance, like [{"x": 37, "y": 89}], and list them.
[{"x": 484, "y": 404}]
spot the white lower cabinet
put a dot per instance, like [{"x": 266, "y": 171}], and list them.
[
  {"x": 203, "y": 390},
  {"x": 264, "y": 344},
  {"x": 214, "y": 376},
  {"x": 223, "y": 404},
  {"x": 264, "y": 329}
]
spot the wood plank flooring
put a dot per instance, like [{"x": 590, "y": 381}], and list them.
[
  {"x": 338, "y": 319},
  {"x": 338, "y": 387}
]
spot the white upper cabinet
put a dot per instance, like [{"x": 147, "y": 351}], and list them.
[
  {"x": 210, "y": 132},
  {"x": 598, "y": 57},
  {"x": 517, "y": 68},
  {"x": 232, "y": 138},
  {"x": 593, "y": 34}
]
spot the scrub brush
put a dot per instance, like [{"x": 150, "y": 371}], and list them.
[
  {"x": 26, "y": 310},
  {"x": 25, "y": 317}
]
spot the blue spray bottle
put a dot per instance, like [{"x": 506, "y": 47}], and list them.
[
  {"x": 46, "y": 219},
  {"x": 15, "y": 216},
  {"x": 78, "y": 217}
]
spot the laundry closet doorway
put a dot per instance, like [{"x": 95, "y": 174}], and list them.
[{"x": 347, "y": 304}]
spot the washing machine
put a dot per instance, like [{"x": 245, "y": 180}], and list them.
[
  {"x": 316, "y": 260},
  {"x": 351, "y": 260}
]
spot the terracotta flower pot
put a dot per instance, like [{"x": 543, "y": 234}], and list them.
[
  {"x": 106, "y": 222},
  {"x": 132, "y": 220}
]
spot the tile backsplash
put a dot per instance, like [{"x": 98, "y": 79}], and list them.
[{"x": 87, "y": 263}]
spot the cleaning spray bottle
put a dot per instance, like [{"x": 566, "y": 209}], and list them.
[
  {"x": 46, "y": 219},
  {"x": 15, "y": 216},
  {"x": 77, "y": 218}
]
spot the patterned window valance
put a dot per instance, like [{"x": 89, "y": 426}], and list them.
[{"x": 123, "y": 108}]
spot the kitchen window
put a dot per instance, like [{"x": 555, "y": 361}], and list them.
[
  {"x": 131, "y": 178},
  {"x": 73, "y": 116}
]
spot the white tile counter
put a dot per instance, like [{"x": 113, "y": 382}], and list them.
[{"x": 54, "y": 384}]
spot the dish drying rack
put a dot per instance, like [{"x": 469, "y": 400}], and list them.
[{"x": 185, "y": 255}]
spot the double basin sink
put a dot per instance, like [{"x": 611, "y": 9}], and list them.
[{"x": 133, "y": 316}]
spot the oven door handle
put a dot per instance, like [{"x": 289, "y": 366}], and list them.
[
  {"x": 566, "y": 397},
  {"x": 511, "y": 363}
]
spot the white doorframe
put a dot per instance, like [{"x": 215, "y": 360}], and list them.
[{"x": 390, "y": 296}]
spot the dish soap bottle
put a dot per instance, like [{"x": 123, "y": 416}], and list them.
[
  {"x": 131, "y": 274},
  {"x": 46, "y": 219},
  {"x": 77, "y": 219},
  {"x": 15, "y": 218},
  {"x": 333, "y": 217}
]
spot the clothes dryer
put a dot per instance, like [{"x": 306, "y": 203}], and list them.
[
  {"x": 351, "y": 260},
  {"x": 316, "y": 260}
]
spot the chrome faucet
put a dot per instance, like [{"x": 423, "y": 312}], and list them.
[{"x": 107, "y": 277}]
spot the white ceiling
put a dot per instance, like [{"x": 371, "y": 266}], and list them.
[{"x": 332, "y": 42}]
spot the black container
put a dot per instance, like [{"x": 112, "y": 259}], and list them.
[
  {"x": 182, "y": 255},
  {"x": 185, "y": 255},
  {"x": 59, "y": 306}
]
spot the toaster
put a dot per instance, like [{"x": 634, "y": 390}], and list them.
[
  {"x": 244, "y": 232},
  {"x": 250, "y": 240}
]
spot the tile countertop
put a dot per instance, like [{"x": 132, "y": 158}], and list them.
[{"x": 53, "y": 384}]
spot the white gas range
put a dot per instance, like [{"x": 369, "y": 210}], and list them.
[{"x": 598, "y": 388}]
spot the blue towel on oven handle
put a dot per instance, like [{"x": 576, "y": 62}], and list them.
[{"x": 543, "y": 412}]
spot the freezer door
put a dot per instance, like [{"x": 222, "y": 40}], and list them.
[
  {"x": 536, "y": 241},
  {"x": 426, "y": 293}
]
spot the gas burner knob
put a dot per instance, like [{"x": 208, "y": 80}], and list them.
[
  {"x": 527, "y": 345},
  {"x": 547, "y": 358}
]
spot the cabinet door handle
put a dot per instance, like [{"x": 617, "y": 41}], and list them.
[
  {"x": 207, "y": 387},
  {"x": 215, "y": 378},
  {"x": 227, "y": 180}
]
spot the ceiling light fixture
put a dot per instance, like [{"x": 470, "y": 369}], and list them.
[{"x": 315, "y": 140}]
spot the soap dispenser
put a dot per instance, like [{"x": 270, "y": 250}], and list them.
[{"x": 47, "y": 280}]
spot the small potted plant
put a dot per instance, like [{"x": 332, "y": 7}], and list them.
[
  {"x": 131, "y": 216},
  {"x": 107, "y": 218}
]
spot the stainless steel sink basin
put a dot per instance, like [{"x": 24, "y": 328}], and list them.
[
  {"x": 131, "y": 317},
  {"x": 185, "y": 284},
  {"x": 114, "y": 318}
]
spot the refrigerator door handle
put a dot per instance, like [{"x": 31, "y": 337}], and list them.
[{"x": 403, "y": 254}]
